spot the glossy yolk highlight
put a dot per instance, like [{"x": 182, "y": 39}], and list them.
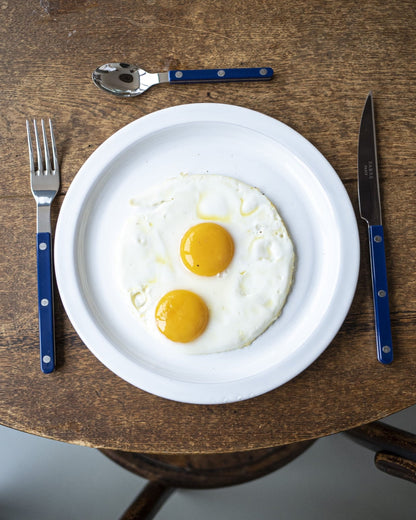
[
  {"x": 181, "y": 316},
  {"x": 207, "y": 249}
]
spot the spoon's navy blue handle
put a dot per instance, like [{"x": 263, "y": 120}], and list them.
[
  {"x": 213, "y": 75},
  {"x": 45, "y": 303},
  {"x": 380, "y": 295}
]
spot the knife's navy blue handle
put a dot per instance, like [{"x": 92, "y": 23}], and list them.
[
  {"x": 213, "y": 75},
  {"x": 45, "y": 302},
  {"x": 380, "y": 295}
]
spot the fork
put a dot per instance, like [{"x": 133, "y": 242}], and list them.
[{"x": 44, "y": 182}]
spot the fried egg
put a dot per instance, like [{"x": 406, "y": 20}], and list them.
[{"x": 205, "y": 262}]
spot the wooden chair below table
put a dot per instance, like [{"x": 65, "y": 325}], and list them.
[
  {"x": 395, "y": 454},
  {"x": 395, "y": 449}
]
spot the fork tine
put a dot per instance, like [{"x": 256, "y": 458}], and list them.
[
  {"x": 29, "y": 142},
  {"x": 38, "y": 148},
  {"x": 54, "y": 152},
  {"x": 45, "y": 146}
]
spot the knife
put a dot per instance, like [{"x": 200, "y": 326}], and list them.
[{"x": 370, "y": 211}]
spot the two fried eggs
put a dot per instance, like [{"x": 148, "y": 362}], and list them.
[{"x": 205, "y": 262}]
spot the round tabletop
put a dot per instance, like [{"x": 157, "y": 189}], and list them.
[{"x": 325, "y": 62}]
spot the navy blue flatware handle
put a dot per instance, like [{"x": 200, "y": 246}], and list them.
[
  {"x": 213, "y": 75},
  {"x": 380, "y": 295},
  {"x": 45, "y": 303}
]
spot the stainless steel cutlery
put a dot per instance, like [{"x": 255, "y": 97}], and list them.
[
  {"x": 44, "y": 181},
  {"x": 370, "y": 210},
  {"x": 126, "y": 80}
]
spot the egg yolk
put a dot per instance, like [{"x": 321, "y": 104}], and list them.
[
  {"x": 181, "y": 316},
  {"x": 207, "y": 249}
]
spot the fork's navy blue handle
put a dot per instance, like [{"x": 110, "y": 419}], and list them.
[
  {"x": 45, "y": 302},
  {"x": 213, "y": 75},
  {"x": 380, "y": 295}
]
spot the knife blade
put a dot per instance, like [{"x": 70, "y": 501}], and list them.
[{"x": 370, "y": 211}]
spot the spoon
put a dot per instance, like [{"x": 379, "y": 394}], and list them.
[{"x": 126, "y": 80}]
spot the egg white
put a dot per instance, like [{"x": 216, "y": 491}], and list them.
[{"x": 243, "y": 300}]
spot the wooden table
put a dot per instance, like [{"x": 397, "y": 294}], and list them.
[{"x": 327, "y": 56}]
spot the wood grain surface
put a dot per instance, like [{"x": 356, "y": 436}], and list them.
[{"x": 327, "y": 56}]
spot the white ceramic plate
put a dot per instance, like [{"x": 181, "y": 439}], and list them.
[{"x": 209, "y": 139}]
